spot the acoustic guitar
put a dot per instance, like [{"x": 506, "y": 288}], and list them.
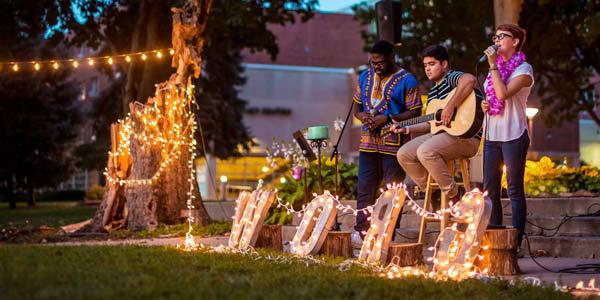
[{"x": 466, "y": 120}]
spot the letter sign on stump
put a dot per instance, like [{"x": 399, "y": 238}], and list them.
[
  {"x": 316, "y": 222},
  {"x": 456, "y": 250},
  {"x": 250, "y": 215},
  {"x": 383, "y": 220}
]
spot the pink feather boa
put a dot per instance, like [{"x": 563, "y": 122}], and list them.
[{"x": 506, "y": 68}]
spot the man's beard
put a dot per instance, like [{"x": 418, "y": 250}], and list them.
[{"x": 387, "y": 70}]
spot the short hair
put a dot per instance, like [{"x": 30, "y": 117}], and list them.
[
  {"x": 382, "y": 47},
  {"x": 436, "y": 51},
  {"x": 516, "y": 31}
]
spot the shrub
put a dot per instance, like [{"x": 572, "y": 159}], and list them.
[
  {"x": 292, "y": 191},
  {"x": 545, "y": 177},
  {"x": 95, "y": 192}
]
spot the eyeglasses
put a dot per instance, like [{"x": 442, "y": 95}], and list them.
[
  {"x": 377, "y": 63},
  {"x": 500, "y": 36}
]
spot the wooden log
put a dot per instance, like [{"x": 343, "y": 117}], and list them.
[
  {"x": 337, "y": 243},
  {"x": 270, "y": 237},
  {"x": 405, "y": 255},
  {"x": 501, "y": 256}
]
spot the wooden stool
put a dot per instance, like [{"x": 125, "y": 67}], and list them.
[{"x": 431, "y": 185}]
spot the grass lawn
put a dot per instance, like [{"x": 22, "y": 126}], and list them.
[
  {"x": 53, "y": 214},
  {"x": 124, "y": 272},
  {"x": 17, "y": 225}
]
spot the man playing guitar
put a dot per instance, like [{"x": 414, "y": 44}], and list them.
[{"x": 428, "y": 153}]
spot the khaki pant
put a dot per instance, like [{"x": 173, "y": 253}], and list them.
[{"x": 428, "y": 154}]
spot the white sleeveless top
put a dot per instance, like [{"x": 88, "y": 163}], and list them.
[{"x": 511, "y": 122}]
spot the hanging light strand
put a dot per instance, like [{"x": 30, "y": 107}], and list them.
[{"x": 55, "y": 64}]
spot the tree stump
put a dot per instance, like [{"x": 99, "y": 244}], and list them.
[
  {"x": 407, "y": 254},
  {"x": 150, "y": 172},
  {"x": 270, "y": 237},
  {"x": 337, "y": 243},
  {"x": 501, "y": 256}
]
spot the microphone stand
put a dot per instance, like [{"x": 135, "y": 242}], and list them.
[{"x": 334, "y": 156}]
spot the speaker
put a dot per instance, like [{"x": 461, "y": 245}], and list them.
[
  {"x": 306, "y": 149},
  {"x": 389, "y": 21}
]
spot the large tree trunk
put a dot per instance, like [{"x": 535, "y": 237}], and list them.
[
  {"x": 150, "y": 172},
  {"x": 134, "y": 69},
  {"x": 507, "y": 11}
]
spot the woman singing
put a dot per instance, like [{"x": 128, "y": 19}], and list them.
[{"x": 507, "y": 87}]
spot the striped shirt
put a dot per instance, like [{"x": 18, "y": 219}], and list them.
[{"x": 446, "y": 85}]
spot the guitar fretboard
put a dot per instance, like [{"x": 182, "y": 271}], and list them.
[
  {"x": 417, "y": 120},
  {"x": 412, "y": 121}
]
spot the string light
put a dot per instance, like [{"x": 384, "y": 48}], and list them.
[
  {"x": 152, "y": 135},
  {"x": 324, "y": 207},
  {"x": 454, "y": 251},
  {"x": 91, "y": 61},
  {"x": 379, "y": 233},
  {"x": 251, "y": 210},
  {"x": 171, "y": 131},
  {"x": 456, "y": 272}
]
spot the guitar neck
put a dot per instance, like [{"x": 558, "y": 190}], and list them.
[
  {"x": 426, "y": 118},
  {"x": 417, "y": 120}
]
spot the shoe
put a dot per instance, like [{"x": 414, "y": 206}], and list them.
[
  {"x": 356, "y": 240},
  {"x": 454, "y": 199}
]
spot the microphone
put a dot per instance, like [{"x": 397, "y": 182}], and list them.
[{"x": 483, "y": 57}]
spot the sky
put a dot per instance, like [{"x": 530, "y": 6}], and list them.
[{"x": 335, "y": 5}]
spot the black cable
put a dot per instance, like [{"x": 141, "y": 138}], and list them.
[
  {"x": 578, "y": 269},
  {"x": 592, "y": 205},
  {"x": 566, "y": 219}
]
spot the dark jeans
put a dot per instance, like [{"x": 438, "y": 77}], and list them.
[
  {"x": 513, "y": 154},
  {"x": 373, "y": 168}
]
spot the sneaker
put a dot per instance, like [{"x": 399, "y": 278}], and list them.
[{"x": 356, "y": 239}]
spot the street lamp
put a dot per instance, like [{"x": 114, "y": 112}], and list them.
[
  {"x": 223, "y": 180},
  {"x": 530, "y": 112}
]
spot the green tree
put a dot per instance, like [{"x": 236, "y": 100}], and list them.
[
  {"x": 39, "y": 118},
  {"x": 125, "y": 25},
  {"x": 461, "y": 26},
  {"x": 563, "y": 45}
]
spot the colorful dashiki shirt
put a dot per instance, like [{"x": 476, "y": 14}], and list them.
[{"x": 391, "y": 95}]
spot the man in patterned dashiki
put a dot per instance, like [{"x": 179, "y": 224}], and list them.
[{"x": 384, "y": 92}]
